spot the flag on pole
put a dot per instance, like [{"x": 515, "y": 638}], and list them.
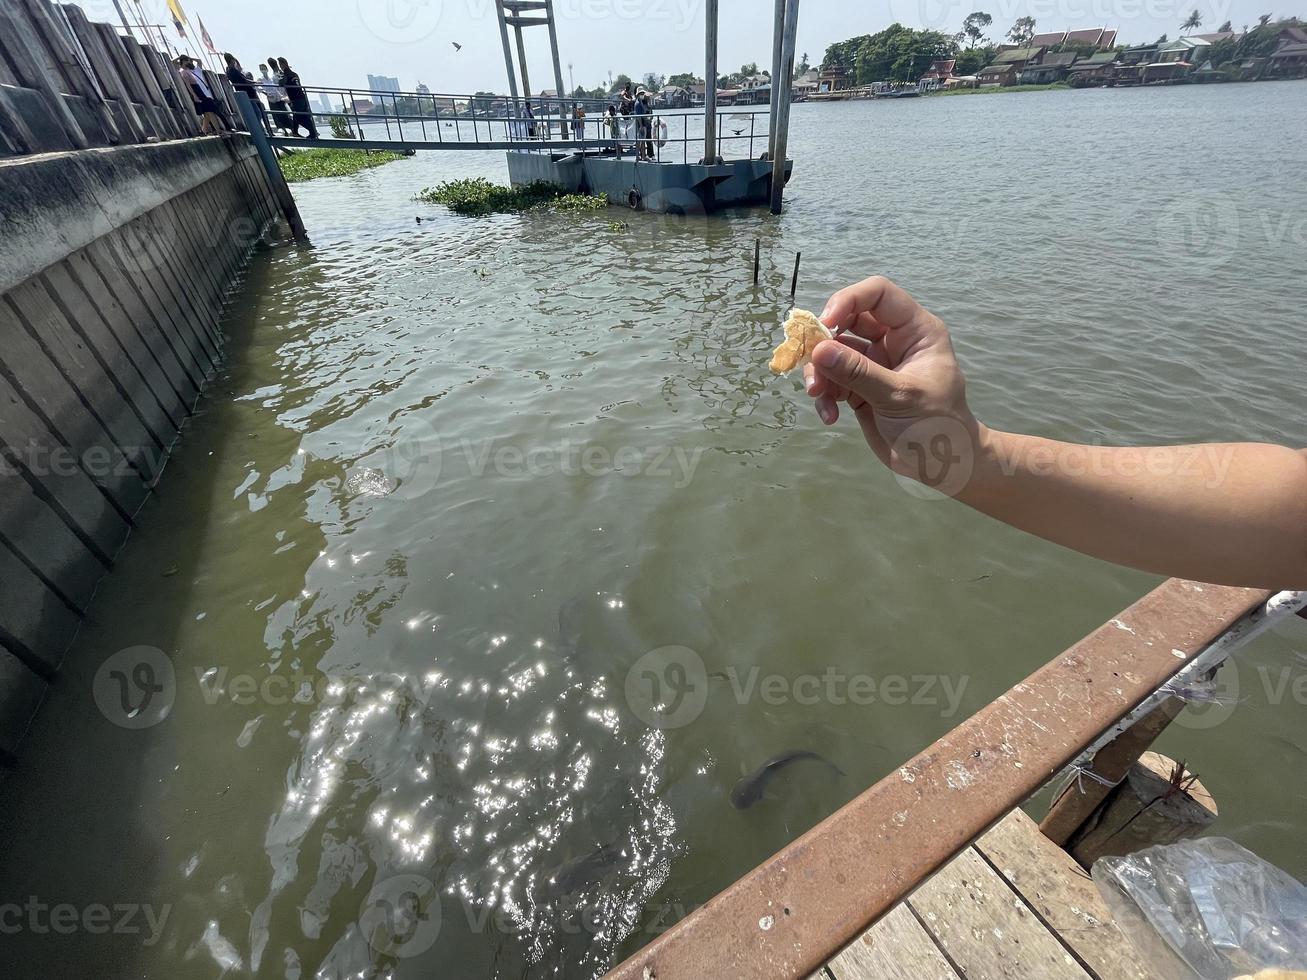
[
  {"x": 204, "y": 35},
  {"x": 178, "y": 17}
]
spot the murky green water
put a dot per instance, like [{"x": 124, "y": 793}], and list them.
[{"x": 460, "y": 476}]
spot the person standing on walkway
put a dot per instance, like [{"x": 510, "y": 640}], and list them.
[
  {"x": 243, "y": 82},
  {"x": 213, "y": 116},
  {"x": 277, "y": 101},
  {"x": 643, "y": 126},
  {"x": 299, "y": 102}
]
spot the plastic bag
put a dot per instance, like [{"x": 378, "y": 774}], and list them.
[{"x": 1206, "y": 908}]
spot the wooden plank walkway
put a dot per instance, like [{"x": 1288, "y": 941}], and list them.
[{"x": 1013, "y": 905}]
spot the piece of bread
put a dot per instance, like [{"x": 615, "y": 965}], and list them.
[{"x": 803, "y": 332}]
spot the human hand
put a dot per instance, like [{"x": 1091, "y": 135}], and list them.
[{"x": 892, "y": 363}]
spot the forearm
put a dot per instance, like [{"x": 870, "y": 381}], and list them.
[{"x": 1225, "y": 513}]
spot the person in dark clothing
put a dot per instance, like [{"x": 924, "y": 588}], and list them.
[
  {"x": 299, "y": 102},
  {"x": 243, "y": 81},
  {"x": 276, "y": 96},
  {"x": 644, "y": 125}
]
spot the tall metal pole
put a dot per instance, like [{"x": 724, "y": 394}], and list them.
[
  {"x": 783, "y": 110},
  {"x": 777, "y": 44},
  {"x": 558, "y": 68},
  {"x": 710, "y": 84},
  {"x": 508, "y": 55},
  {"x": 521, "y": 61}
]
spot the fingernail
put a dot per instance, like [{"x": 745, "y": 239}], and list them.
[
  {"x": 826, "y": 355},
  {"x": 826, "y": 413},
  {"x": 809, "y": 383}
]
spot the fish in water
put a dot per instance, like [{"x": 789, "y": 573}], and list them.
[
  {"x": 749, "y": 790},
  {"x": 579, "y": 872}
]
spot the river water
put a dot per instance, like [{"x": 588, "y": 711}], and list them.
[{"x": 419, "y": 555}]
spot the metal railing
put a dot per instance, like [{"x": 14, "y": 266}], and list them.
[{"x": 544, "y": 124}]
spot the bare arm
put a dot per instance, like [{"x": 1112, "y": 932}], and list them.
[{"x": 1227, "y": 513}]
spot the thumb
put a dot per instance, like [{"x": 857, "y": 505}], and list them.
[{"x": 854, "y": 371}]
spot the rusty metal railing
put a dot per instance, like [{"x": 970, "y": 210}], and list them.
[{"x": 795, "y": 911}]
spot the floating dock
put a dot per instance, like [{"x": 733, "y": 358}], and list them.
[{"x": 648, "y": 185}]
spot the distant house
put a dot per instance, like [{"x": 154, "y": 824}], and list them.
[
  {"x": 937, "y": 75},
  {"x": 1140, "y": 55},
  {"x": 996, "y": 75},
  {"x": 697, "y": 93},
  {"x": 1019, "y": 58},
  {"x": 1052, "y": 68},
  {"x": 1099, "y": 37},
  {"x": 1190, "y": 50},
  {"x": 1289, "y": 60},
  {"x": 806, "y": 83},
  {"x": 832, "y": 79},
  {"x": 756, "y": 90},
  {"x": 361, "y": 107},
  {"x": 673, "y": 97},
  {"x": 1206, "y": 72},
  {"x": 1097, "y": 69}
]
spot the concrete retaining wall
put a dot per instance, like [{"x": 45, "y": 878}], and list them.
[{"x": 114, "y": 269}]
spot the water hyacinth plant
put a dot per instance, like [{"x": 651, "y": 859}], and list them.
[
  {"x": 477, "y": 196},
  {"x": 309, "y": 164}
]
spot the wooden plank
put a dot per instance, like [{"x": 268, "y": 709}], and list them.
[
  {"x": 1062, "y": 894},
  {"x": 67, "y": 413},
  {"x": 983, "y": 927},
  {"x": 895, "y": 948}
]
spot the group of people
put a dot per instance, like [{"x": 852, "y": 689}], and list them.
[
  {"x": 618, "y": 120},
  {"x": 279, "y": 84},
  {"x": 287, "y": 110}
]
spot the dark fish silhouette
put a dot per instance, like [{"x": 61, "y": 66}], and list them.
[
  {"x": 749, "y": 790},
  {"x": 579, "y": 872}
]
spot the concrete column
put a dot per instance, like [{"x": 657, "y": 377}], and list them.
[{"x": 710, "y": 84}]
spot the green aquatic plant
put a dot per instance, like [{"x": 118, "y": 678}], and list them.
[
  {"x": 477, "y": 196},
  {"x": 310, "y": 164}
]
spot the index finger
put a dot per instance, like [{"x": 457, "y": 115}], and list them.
[{"x": 890, "y": 304}]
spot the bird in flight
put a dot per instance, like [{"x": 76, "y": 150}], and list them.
[{"x": 457, "y": 46}]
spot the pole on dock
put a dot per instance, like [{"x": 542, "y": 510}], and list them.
[
  {"x": 777, "y": 48},
  {"x": 253, "y": 117},
  {"x": 710, "y": 84},
  {"x": 558, "y": 68},
  {"x": 508, "y": 54},
  {"x": 757, "y": 258},
  {"x": 521, "y": 62},
  {"x": 794, "y": 282},
  {"x": 783, "y": 107}
]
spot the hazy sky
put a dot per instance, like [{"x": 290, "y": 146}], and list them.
[{"x": 338, "y": 42}]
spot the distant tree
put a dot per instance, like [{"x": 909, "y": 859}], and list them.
[
  {"x": 1263, "y": 20},
  {"x": 653, "y": 82},
  {"x": 750, "y": 69},
  {"x": 685, "y": 79},
  {"x": 1023, "y": 30},
  {"x": 1162, "y": 40},
  {"x": 1192, "y": 22},
  {"x": 803, "y": 67},
  {"x": 970, "y": 61},
  {"x": 973, "y": 28},
  {"x": 621, "y": 81},
  {"x": 1225, "y": 27},
  {"x": 483, "y": 100},
  {"x": 581, "y": 93}
]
